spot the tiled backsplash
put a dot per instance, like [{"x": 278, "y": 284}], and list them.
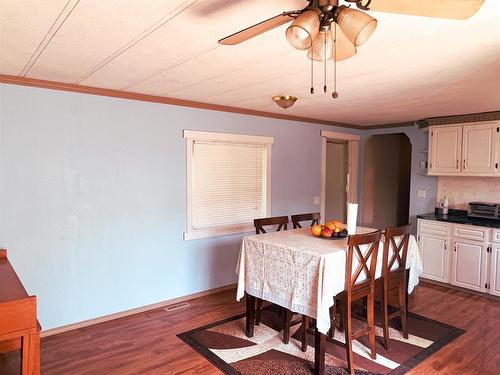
[{"x": 462, "y": 190}]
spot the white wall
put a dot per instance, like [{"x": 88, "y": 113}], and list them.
[{"x": 92, "y": 197}]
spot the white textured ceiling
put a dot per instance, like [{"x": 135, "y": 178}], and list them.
[{"x": 411, "y": 68}]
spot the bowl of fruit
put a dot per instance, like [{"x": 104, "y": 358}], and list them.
[{"x": 332, "y": 230}]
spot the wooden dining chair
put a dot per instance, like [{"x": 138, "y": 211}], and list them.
[
  {"x": 394, "y": 276},
  {"x": 282, "y": 223},
  {"x": 314, "y": 217},
  {"x": 363, "y": 248}
]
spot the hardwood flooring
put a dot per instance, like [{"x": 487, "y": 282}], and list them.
[{"x": 146, "y": 343}]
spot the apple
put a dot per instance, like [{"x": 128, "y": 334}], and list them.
[
  {"x": 330, "y": 225},
  {"x": 327, "y": 232},
  {"x": 316, "y": 230}
]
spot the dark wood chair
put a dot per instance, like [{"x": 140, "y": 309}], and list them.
[
  {"x": 280, "y": 221},
  {"x": 314, "y": 217},
  {"x": 394, "y": 276},
  {"x": 355, "y": 289}
]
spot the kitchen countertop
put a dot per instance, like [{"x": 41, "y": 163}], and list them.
[{"x": 460, "y": 217}]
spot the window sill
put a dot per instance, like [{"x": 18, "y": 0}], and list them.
[{"x": 218, "y": 231}]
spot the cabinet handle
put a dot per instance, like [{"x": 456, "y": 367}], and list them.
[
  {"x": 457, "y": 163},
  {"x": 444, "y": 245},
  {"x": 455, "y": 247},
  {"x": 464, "y": 163}
]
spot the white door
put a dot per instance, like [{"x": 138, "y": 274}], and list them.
[
  {"x": 435, "y": 259},
  {"x": 445, "y": 144},
  {"x": 495, "y": 270},
  {"x": 479, "y": 154},
  {"x": 468, "y": 264}
]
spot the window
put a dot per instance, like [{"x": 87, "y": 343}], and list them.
[{"x": 228, "y": 182}]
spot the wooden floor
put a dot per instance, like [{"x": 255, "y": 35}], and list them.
[{"x": 147, "y": 344}]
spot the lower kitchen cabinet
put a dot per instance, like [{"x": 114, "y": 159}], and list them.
[
  {"x": 435, "y": 259},
  {"x": 495, "y": 270},
  {"x": 469, "y": 264},
  {"x": 463, "y": 255}
]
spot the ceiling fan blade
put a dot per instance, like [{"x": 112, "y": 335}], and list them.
[
  {"x": 455, "y": 9},
  {"x": 259, "y": 28}
]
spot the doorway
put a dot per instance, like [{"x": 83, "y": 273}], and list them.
[
  {"x": 386, "y": 181},
  {"x": 339, "y": 174},
  {"x": 337, "y": 160}
]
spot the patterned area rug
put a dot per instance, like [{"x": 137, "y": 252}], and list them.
[{"x": 225, "y": 344}]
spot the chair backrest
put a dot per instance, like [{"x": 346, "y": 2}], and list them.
[
  {"x": 281, "y": 221},
  {"x": 400, "y": 251},
  {"x": 314, "y": 217},
  {"x": 365, "y": 248}
]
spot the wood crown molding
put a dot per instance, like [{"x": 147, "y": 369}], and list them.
[{"x": 53, "y": 85}]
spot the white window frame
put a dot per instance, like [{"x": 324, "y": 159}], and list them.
[{"x": 191, "y": 136}]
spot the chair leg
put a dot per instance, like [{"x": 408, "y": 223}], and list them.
[
  {"x": 403, "y": 309},
  {"x": 258, "y": 311},
  {"x": 333, "y": 321},
  {"x": 385, "y": 315},
  {"x": 371, "y": 324},
  {"x": 348, "y": 333},
  {"x": 287, "y": 317},
  {"x": 305, "y": 326},
  {"x": 340, "y": 313}
]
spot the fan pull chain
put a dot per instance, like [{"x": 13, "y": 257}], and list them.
[
  {"x": 312, "y": 73},
  {"x": 324, "y": 63},
  {"x": 335, "y": 95}
]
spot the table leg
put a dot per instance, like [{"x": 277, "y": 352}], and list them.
[
  {"x": 319, "y": 352},
  {"x": 250, "y": 314}
]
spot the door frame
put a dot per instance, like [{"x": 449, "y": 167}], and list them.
[{"x": 352, "y": 169}]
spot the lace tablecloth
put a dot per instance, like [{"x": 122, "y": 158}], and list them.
[{"x": 303, "y": 273}]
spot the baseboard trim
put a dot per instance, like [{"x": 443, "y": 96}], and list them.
[
  {"x": 457, "y": 288},
  {"x": 137, "y": 310}
]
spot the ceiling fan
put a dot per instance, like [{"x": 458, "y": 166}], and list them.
[{"x": 314, "y": 28}]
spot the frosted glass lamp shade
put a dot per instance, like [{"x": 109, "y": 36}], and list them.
[
  {"x": 345, "y": 48},
  {"x": 320, "y": 49},
  {"x": 302, "y": 31},
  {"x": 357, "y": 26}
]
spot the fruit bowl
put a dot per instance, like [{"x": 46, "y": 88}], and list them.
[{"x": 332, "y": 230}]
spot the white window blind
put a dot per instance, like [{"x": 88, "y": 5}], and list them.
[{"x": 229, "y": 183}]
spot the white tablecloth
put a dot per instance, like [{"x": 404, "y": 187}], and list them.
[{"x": 303, "y": 273}]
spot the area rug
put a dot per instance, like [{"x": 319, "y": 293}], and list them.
[{"x": 225, "y": 344}]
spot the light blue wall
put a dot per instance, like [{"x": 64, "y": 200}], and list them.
[
  {"x": 92, "y": 198},
  {"x": 419, "y": 181}
]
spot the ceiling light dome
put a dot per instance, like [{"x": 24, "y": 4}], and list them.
[
  {"x": 357, "y": 26},
  {"x": 284, "y": 101},
  {"x": 302, "y": 31}
]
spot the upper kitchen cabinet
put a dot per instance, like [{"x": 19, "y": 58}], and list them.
[
  {"x": 471, "y": 149},
  {"x": 445, "y": 149},
  {"x": 479, "y": 148}
]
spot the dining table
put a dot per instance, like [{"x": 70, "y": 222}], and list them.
[{"x": 303, "y": 273}]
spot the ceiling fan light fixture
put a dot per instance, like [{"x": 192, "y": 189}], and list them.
[
  {"x": 302, "y": 31},
  {"x": 345, "y": 49},
  {"x": 284, "y": 101},
  {"x": 321, "y": 49},
  {"x": 357, "y": 26}
]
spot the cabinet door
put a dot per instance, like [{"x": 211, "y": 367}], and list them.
[
  {"x": 445, "y": 144},
  {"x": 468, "y": 265},
  {"x": 435, "y": 259},
  {"x": 495, "y": 270},
  {"x": 479, "y": 154}
]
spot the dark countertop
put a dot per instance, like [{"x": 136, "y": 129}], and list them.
[{"x": 460, "y": 217}]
